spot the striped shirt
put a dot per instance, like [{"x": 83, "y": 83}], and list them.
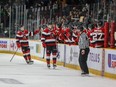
[
  {"x": 83, "y": 41},
  {"x": 48, "y": 37}
]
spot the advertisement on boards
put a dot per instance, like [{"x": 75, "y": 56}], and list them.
[
  {"x": 12, "y": 45},
  {"x": 95, "y": 58},
  {"x": 60, "y": 52},
  {"x": 72, "y": 54},
  {"x": 35, "y": 48},
  {"x": 4, "y": 44},
  {"x": 110, "y": 61}
]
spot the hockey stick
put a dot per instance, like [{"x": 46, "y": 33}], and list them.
[
  {"x": 13, "y": 55},
  {"x": 44, "y": 52},
  {"x": 58, "y": 53}
]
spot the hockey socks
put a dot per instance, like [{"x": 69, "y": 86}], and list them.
[
  {"x": 48, "y": 63},
  {"x": 54, "y": 63}
]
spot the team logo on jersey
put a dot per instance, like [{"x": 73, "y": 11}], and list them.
[{"x": 112, "y": 60}]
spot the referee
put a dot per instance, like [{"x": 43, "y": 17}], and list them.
[{"x": 84, "y": 51}]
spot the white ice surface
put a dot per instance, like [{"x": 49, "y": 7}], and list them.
[{"x": 18, "y": 74}]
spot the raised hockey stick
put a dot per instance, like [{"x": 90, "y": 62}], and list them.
[{"x": 13, "y": 55}]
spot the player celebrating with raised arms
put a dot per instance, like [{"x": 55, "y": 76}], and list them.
[
  {"x": 22, "y": 42},
  {"x": 49, "y": 42}
]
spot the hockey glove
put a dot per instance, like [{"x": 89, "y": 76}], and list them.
[
  {"x": 44, "y": 45},
  {"x": 18, "y": 45}
]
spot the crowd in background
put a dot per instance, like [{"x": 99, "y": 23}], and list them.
[{"x": 59, "y": 13}]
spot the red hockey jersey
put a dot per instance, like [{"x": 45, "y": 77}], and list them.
[
  {"x": 48, "y": 37},
  {"x": 98, "y": 37},
  {"x": 22, "y": 37}
]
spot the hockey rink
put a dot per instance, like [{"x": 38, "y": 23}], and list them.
[{"x": 18, "y": 74}]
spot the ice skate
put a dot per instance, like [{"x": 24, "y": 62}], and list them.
[
  {"x": 54, "y": 66},
  {"x": 84, "y": 74},
  {"x": 27, "y": 61},
  {"x": 31, "y": 62},
  {"x": 48, "y": 65}
]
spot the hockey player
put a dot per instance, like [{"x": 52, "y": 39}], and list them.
[
  {"x": 22, "y": 42},
  {"x": 67, "y": 34},
  {"x": 64, "y": 35},
  {"x": 49, "y": 42},
  {"x": 59, "y": 32},
  {"x": 91, "y": 30},
  {"x": 74, "y": 35},
  {"x": 61, "y": 35},
  {"x": 97, "y": 35}
]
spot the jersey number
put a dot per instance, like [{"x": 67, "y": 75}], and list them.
[{"x": 98, "y": 36}]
